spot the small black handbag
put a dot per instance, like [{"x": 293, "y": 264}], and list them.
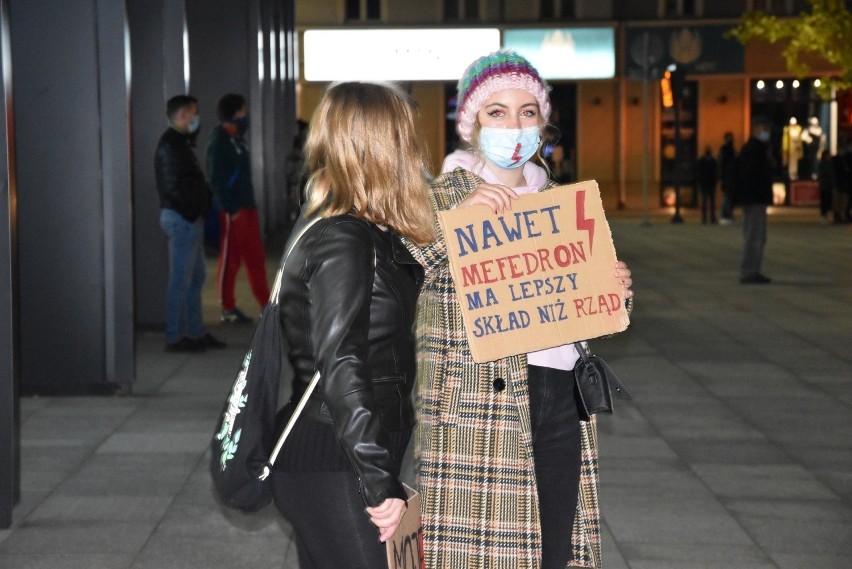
[{"x": 595, "y": 382}]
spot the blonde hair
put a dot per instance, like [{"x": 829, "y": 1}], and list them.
[{"x": 366, "y": 157}]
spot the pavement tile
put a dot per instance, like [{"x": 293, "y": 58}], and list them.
[
  {"x": 810, "y": 560},
  {"x": 109, "y": 536},
  {"x": 49, "y": 466},
  {"x": 793, "y": 535},
  {"x": 638, "y": 518},
  {"x": 712, "y": 450},
  {"x": 92, "y": 508},
  {"x": 824, "y": 510},
  {"x": 216, "y": 551},
  {"x": 637, "y": 447},
  {"x": 131, "y": 474},
  {"x": 66, "y": 561},
  {"x": 695, "y": 556},
  {"x": 612, "y": 558},
  {"x": 778, "y": 481},
  {"x": 156, "y": 443}
]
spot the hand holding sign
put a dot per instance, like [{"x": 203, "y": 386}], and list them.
[{"x": 536, "y": 276}]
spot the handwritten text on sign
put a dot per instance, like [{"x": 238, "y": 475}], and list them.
[{"x": 537, "y": 276}]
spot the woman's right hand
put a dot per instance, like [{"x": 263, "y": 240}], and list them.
[
  {"x": 386, "y": 516},
  {"x": 495, "y": 197}
]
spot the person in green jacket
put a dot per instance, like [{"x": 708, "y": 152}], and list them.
[{"x": 229, "y": 172}]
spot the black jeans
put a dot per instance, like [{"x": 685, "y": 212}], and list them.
[
  {"x": 330, "y": 526},
  {"x": 556, "y": 450}
]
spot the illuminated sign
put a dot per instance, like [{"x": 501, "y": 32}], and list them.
[
  {"x": 566, "y": 53},
  {"x": 395, "y": 54}
]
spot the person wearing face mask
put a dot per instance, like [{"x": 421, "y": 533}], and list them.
[
  {"x": 184, "y": 199},
  {"x": 229, "y": 170},
  {"x": 507, "y": 470},
  {"x": 754, "y": 193}
]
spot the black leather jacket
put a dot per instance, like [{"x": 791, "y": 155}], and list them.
[
  {"x": 180, "y": 181},
  {"x": 354, "y": 322}
]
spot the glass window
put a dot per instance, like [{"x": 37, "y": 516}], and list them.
[
  {"x": 779, "y": 7},
  {"x": 670, "y": 9},
  {"x": 353, "y": 9},
  {"x": 471, "y": 9},
  {"x": 363, "y": 10},
  {"x": 374, "y": 10},
  {"x": 451, "y": 9},
  {"x": 461, "y": 10},
  {"x": 556, "y": 10}
]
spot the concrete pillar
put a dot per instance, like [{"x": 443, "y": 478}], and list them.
[
  {"x": 244, "y": 48},
  {"x": 74, "y": 226},
  {"x": 207, "y": 48},
  {"x": 10, "y": 430},
  {"x": 159, "y": 52}
]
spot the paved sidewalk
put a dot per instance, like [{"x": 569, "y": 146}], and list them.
[{"x": 736, "y": 451}]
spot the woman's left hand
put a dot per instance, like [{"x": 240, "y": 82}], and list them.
[
  {"x": 386, "y": 516},
  {"x": 622, "y": 274}
]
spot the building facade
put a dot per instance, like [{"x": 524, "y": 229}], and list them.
[{"x": 614, "y": 128}]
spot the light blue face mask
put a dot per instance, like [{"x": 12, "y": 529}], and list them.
[
  {"x": 194, "y": 124},
  {"x": 509, "y": 147},
  {"x": 764, "y": 136}
]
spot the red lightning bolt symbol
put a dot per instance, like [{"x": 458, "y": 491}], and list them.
[
  {"x": 582, "y": 222},
  {"x": 515, "y": 156}
]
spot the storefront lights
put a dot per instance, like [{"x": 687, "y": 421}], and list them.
[
  {"x": 779, "y": 84},
  {"x": 761, "y": 84},
  {"x": 394, "y": 54}
]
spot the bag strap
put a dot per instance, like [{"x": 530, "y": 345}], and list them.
[
  {"x": 267, "y": 468},
  {"x": 276, "y": 288},
  {"x": 583, "y": 350},
  {"x": 273, "y": 299}
]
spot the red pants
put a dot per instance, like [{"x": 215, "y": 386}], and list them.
[{"x": 240, "y": 241}]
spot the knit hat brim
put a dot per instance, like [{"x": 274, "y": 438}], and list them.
[{"x": 491, "y": 74}]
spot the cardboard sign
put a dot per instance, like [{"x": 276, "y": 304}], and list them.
[
  {"x": 537, "y": 276},
  {"x": 405, "y": 547}
]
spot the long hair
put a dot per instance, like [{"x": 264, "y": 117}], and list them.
[{"x": 366, "y": 157}]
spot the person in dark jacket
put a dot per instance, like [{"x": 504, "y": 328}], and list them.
[
  {"x": 184, "y": 199},
  {"x": 754, "y": 194},
  {"x": 842, "y": 196},
  {"x": 827, "y": 183},
  {"x": 347, "y": 306},
  {"x": 707, "y": 172},
  {"x": 229, "y": 171},
  {"x": 727, "y": 174}
]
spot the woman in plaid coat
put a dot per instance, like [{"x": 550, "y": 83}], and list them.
[{"x": 507, "y": 471}]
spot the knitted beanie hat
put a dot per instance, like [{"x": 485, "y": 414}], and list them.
[{"x": 498, "y": 71}]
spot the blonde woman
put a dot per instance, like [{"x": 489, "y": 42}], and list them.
[
  {"x": 348, "y": 298},
  {"x": 507, "y": 471}
]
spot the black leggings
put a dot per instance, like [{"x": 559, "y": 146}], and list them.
[
  {"x": 556, "y": 449},
  {"x": 330, "y": 525}
]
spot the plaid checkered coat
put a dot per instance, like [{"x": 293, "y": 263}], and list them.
[{"x": 479, "y": 501}]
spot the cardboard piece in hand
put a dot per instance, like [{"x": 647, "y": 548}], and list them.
[
  {"x": 536, "y": 276},
  {"x": 405, "y": 547}
]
